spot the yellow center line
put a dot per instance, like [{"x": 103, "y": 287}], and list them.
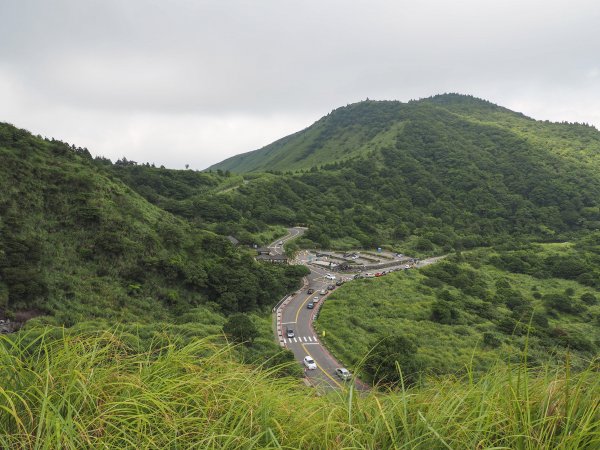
[
  {"x": 328, "y": 376},
  {"x": 302, "y": 307}
]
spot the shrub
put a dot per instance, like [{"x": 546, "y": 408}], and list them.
[
  {"x": 240, "y": 328},
  {"x": 588, "y": 298},
  {"x": 442, "y": 312},
  {"x": 491, "y": 339},
  {"x": 392, "y": 361}
]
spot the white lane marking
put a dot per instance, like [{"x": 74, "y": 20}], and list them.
[
  {"x": 294, "y": 339},
  {"x": 315, "y": 338},
  {"x": 312, "y": 343},
  {"x": 287, "y": 323},
  {"x": 305, "y": 339},
  {"x": 309, "y": 339}
]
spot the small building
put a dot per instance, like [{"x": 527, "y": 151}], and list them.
[
  {"x": 275, "y": 259},
  {"x": 233, "y": 240},
  {"x": 263, "y": 251}
]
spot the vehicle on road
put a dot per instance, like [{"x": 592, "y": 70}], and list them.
[
  {"x": 280, "y": 243},
  {"x": 310, "y": 363},
  {"x": 329, "y": 276},
  {"x": 331, "y": 287},
  {"x": 343, "y": 373},
  {"x": 323, "y": 292},
  {"x": 339, "y": 283},
  {"x": 289, "y": 332},
  {"x": 316, "y": 299},
  {"x": 310, "y": 291},
  {"x": 310, "y": 305}
]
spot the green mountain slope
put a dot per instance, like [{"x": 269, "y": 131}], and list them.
[
  {"x": 77, "y": 243},
  {"x": 361, "y": 128},
  {"x": 451, "y": 172},
  {"x": 474, "y": 310},
  {"x": 346, "y": 132}
]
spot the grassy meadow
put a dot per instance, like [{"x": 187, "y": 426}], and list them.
[
  {"x": 484, "y": 315},
  {"x": 92, "y": 390}
]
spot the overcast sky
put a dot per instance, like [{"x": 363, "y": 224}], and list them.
[{"x": 191, "y": 81}]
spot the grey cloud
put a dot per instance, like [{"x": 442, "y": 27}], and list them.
[{"x": 73, "y": 69}]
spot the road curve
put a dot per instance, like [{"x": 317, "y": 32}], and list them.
[{"x": 293, "y": 313}]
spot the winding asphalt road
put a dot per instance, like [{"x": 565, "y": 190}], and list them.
[{"x": 294, "y": 314}]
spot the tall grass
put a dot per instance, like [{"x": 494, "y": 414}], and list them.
[{"x": 92, "y": 391}]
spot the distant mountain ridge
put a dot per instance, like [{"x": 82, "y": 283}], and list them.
[
  {"x": 438, "y": 173},
  {"x": 355, "y": 130}
]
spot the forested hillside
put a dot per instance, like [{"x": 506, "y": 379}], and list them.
[
  {"x": 473, "y": 310},
  {"x": 442, "y": 173},
  {"x": 76, "y": 243},
  {"x": 494, "y": 347}
]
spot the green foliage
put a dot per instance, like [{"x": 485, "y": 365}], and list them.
[
  {"x": 442, "y": 312},
  {"x": 392, "y": 361},
  {"x": 78, "y": 244},
  {"x": 445, "y": 173},
  {"x": 460, "y": 328},
  {"x": 99, "y": 391},
  {"x": 240, "y": 329}
]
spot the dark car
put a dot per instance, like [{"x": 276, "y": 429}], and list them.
[
  {"x": 339, "y": 283},
  {"x": 343, "y": 373},
  {"x": 331, "y": 287},
  {"x": 310, "y": 291},
  {"x": 310, "y": 305}
]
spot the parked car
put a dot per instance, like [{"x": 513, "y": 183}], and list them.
[
  {"x": 310, "y": 291},
  {"x": 339, "y": 283},
  {"x": 280, "y": 242},
  {"x": 329, "y": 276},
  {"x": 358, "y": 276},
  {"x": 316, "y": 299},
  {"x": 323, "y": 292},
  {"x": 379, "y": 274},
  {"x": 331, "y": 287},
  {"x": 310, "y": 305},
  {"x": 343, "y": 373},
  {"x": 289, "y": 332},
  {"x": 310, "y": 363}
]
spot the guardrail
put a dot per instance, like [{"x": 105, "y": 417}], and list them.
[{"x": 280, "y": 302}]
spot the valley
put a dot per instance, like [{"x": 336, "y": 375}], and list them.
[{"x": 466, "y": 236}]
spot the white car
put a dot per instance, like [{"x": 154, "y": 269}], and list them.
[
  {"x": 316, "y": 299},
  {"x": 310, "y": 363},
  {"x": 330, "y": 277}
]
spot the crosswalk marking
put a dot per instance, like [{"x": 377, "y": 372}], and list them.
[{"x": 300, "y": 339}]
